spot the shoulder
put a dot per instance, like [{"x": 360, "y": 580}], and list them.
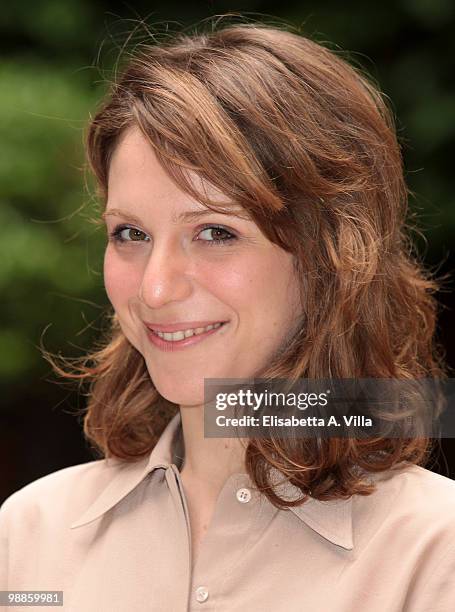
[
  {"x": 66, "y": 491},
  {"x": 407, "y": 504},
  {"x": 418, "y": 535},
  {"x": 427, "y": 491}
]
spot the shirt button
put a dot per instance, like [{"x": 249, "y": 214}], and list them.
[
  {"x": 202, "y": 594},
  {"x": 243, "y": 495}
]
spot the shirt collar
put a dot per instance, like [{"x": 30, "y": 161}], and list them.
[
  {"x": 128, "y": 475},
  {"x": 330, "y": 519}
]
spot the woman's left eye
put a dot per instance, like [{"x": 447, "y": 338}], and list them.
[{"x": 218, "y": 241}]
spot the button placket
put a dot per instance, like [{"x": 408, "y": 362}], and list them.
[{"x": 232, "y": 504}]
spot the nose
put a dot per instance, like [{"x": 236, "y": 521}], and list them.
[{"x": 166, "y": 276}]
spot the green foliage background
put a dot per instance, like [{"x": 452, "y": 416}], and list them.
[{"x": 51, "y": 255}]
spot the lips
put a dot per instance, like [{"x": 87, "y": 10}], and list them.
[
  {"x": 181, "y": 326},
  {"x": 178, "y": 345}
]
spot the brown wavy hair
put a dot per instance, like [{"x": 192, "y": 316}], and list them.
[{"x": 305, "y": 142}]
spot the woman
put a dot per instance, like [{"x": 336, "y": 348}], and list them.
[{"x": 254, "y": 201}]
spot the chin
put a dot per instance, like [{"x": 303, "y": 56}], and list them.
[
  {"x": 180, "y": 392},
  {"x": 183, "y": 400}
]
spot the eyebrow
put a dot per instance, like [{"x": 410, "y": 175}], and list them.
[{"x": 184, "y": 217}]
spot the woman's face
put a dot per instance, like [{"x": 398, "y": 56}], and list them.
[{"x": 168, "y": 271}]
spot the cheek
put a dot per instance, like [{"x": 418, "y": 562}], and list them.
[
  {"x": 245, "y": 283},
  {"x": 272, "y": 284},
  {"x": 257, "y": 278},
  {"x": 233, "y": 281},
  {"x": 121, "y": 279}
]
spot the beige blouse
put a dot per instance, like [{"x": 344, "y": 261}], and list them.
[{"x": 114, "y": 537}]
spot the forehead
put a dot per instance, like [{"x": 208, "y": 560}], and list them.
[
  {"x": 134, "y": 158},
  {"x": 136, "y": 175}
]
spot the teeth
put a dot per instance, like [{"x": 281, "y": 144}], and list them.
[{"x": 181, "y": 335}]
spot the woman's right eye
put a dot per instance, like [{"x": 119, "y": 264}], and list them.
[{"x": 126, "y": 233}]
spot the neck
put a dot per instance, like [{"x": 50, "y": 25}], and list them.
[{"x": 208, "y": 460}]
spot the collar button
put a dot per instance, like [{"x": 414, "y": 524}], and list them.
[{"x": 243, "y": 495}]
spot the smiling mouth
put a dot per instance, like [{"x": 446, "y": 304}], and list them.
[{"x": 189, "y": 333}]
